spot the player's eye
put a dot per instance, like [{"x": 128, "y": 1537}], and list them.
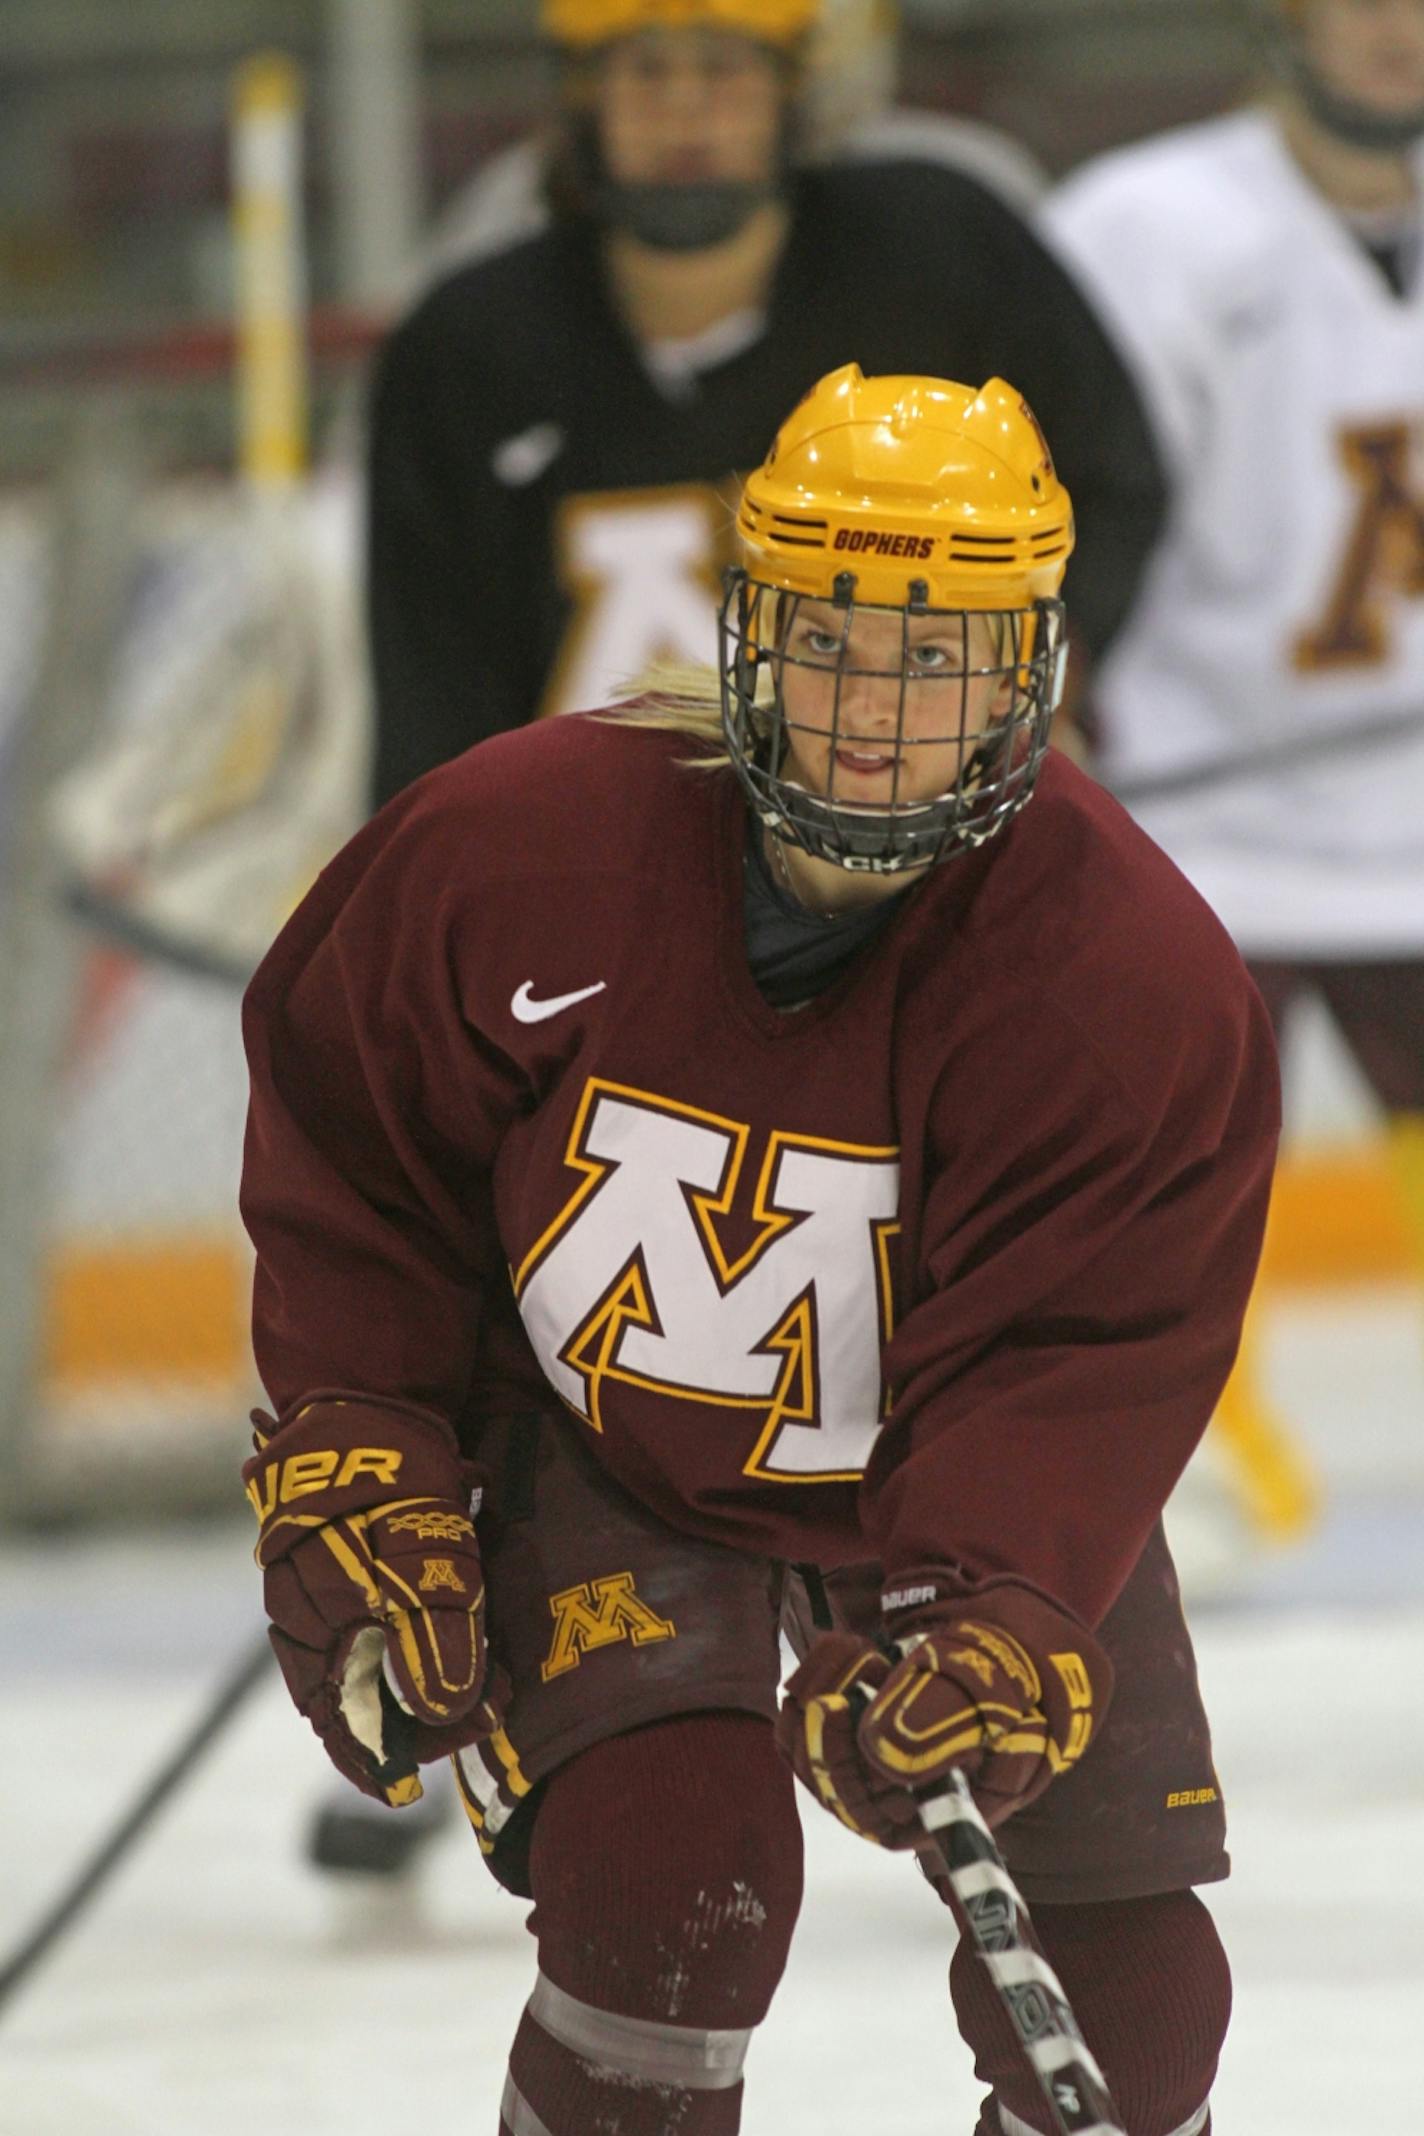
[
  {"x": 729, "y": 58},
  {"x": 936, "y": 660},
  {"x": 823, "y": 644},
  {"x": 645, "y": 65}
]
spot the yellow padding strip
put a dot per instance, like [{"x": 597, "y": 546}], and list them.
[
  {"x": 165, "y": 1308},
  {"x": 1337, "y": 1219},
  {"x": 175, "y": 1307},
  {"x": 1273, "y": 1475},
  {"x": 508, "y": 1757},
  {"x": 471, "y": 1808},
  {"x": 1406, "y": 1163}
]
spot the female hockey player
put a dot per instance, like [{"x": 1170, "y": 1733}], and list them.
[{"x": 727, "y": 1145}]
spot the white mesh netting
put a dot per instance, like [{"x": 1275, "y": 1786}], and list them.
[{"x": 160, "y": 810}]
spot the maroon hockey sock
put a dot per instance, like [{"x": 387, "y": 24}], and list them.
[
  {"x": 1149, "y": 1984},
  {"x": 666, "y": 1869}
]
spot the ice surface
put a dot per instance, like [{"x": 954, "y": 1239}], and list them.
[{"x": 220, "y": 1987}]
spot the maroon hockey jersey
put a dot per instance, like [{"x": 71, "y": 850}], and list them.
[{"x": 947, "y": 1266}]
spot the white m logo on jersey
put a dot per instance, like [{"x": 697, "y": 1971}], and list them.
[{"x": 631, "y": 1283}]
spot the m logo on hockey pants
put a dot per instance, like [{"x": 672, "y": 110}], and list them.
[{"x": 599, "y": 1615}]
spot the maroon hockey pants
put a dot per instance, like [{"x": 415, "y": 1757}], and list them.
[{"x": 666, "y": 1870}]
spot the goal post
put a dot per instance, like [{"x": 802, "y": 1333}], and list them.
[{"x": 269, "y": 273}]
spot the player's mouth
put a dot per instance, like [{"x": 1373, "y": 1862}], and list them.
[
  {"x": 865, "y": 763},
  {"x": 688, "y": 166}
]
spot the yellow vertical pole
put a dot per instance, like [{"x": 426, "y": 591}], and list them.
[{"x": 270, "y": 292}]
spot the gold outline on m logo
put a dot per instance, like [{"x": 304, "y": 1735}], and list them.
[{"x": 599, "y": 1614}]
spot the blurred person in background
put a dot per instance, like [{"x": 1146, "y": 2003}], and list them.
[
  {"x": 556, "y": 430},
  {"x": 1262, "y": 272},
  {"x": 847, "y": 106}
]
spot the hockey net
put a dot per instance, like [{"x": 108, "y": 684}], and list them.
[{"x": 182, "y": 743}]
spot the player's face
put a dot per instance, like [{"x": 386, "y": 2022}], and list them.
[
  {"x": 847, "y": 735},
  {"x": 1371, "y": 51},
  {"x": 687, "y": 107}
]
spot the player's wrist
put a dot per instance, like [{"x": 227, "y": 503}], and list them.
[{"x": 931, "y": 1595}]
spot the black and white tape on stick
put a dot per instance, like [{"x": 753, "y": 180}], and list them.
[{"x": 996, "y": 1920}]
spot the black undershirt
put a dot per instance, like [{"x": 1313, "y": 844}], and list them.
[
  {"x": 795, "y": 954},
  {"x": 1393, "y": 242},
  {"x": 1394, "y": 261}
]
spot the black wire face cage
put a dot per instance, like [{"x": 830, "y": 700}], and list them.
[{"x": 956, "y": 747}]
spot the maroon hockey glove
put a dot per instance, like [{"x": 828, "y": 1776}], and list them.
[
  {"x": 373, "y": 1584},
  {"x": 1000, "y": 1683}
]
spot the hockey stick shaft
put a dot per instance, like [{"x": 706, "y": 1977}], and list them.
[
  {"x": 993, "y": 1915},
  {"x": 90, "y": 1878},
  {"x": 1283, "y": 755}
]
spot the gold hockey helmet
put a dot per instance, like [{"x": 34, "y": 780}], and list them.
[
  {"x": 925, "y": 499},
  {"x": 582, "y": 24},
  {"x": 909, "y": 483}
]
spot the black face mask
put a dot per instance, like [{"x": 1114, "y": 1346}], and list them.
[
  {"x": 676, "y": 218},
  {"x": 680, "y": 218},
  {"x": 1379, "y": 133}
]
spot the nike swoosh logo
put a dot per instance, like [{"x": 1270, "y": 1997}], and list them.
[
  {"x": 522, "y": 459},
  {"x": 530, "y": 1011}
]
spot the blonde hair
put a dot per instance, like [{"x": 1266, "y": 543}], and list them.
[{"x": 680, "y": 698}]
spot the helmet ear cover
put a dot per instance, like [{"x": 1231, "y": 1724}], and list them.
[{"x": 996, "y": 765}]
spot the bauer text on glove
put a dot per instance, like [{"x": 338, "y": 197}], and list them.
[{"x": 372, "y": 1580}]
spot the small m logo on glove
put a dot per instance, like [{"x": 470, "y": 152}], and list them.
[{"x": 440, "y": 1572}]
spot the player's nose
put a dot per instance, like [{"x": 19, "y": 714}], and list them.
[{"x": 870, "y": 707}]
